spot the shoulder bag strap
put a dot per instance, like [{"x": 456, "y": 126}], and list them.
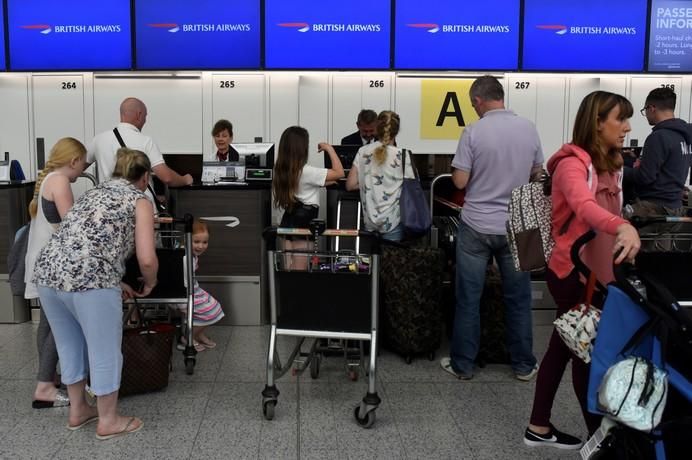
[
  {"x": 404, "y": 153},
  {"x": 119, "y": 137}
]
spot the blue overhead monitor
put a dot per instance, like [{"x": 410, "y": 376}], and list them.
[
  {"x": 326, "y": 34},
  {"x": 3, "y": 64},
  {"x": 69, "y": 34},
  {"x": 201, "y": 34},
  {"x": 584, "y": 35},
  {"x": 670, "y": 36},
  {"x": 455, "y": 35}
]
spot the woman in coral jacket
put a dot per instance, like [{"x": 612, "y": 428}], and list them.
[{"x": 586, "y": 194}]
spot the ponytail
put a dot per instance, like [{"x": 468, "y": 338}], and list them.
[{"x": 387, "y": 129}]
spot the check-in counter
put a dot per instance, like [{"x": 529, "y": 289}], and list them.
[
  {"x": 233, "y": 269},
  {"x": 14, "y": 202}
]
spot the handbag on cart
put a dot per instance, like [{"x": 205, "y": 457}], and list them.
[
  {"x": 415, "y": 213},
  {"x": 147, "y": 351},
  {"x": 579, "y": 325}
]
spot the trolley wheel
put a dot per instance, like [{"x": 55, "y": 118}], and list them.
[
  {"x": 431, "y": 356},
  {"x": 315, "y": 367},
  {"x": 268, "y": 409},
  {"x": 353, "y": 375},
  {"x": 189, "y": 366},
  {"x": 368, "y": 421},
  {"x": 408, "y": 359}
]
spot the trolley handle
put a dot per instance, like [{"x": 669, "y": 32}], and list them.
[
  {"x": 270, "y": 233},
  {"x": 186, "y": 220},
  {"x": 641, "y": 221}
]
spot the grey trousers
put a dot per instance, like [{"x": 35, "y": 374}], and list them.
[{"x": 47, "y": 352}]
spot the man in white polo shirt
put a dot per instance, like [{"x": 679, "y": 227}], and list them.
[
  {"x": 499, "y": 152},
  {"x": 103, "y": 148}
]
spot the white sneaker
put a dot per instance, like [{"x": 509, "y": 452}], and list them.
[{"x": 528, "y": 377}]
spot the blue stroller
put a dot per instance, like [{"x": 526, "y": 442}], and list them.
[{"x": 642, "y": 318}]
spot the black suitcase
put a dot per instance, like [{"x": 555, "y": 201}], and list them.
[
  {"x": 493, "y": 348},
  {"x": 410, "y": 311}
]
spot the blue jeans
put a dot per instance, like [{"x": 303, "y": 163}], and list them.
[{"x": 473, "y": 252}]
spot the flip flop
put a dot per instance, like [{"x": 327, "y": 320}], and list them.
[
  {"x": 208, "y": 345},
  {"x": 91, "y": 419},
  {"x": 124, "y": 431},
  {"x": 61, "y": 400}
]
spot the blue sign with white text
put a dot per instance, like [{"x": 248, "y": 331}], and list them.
[
  {"x": 69, "y": 35},
  {"x": 585, "y": 35},
  {"x": 200, "y": 34},
  {"x": 327, "y": 34},
  {"x": 454, "y": 35},
  {"x": 670, "y": 36}
]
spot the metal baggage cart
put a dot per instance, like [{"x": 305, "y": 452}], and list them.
[
  {"x": 175, "y": 276},
  {"x": 304, "y": 305}
]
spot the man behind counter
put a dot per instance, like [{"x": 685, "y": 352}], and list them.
[
  {"x": 367, "y": 129},
  {"x": 223, "y": 136},
  {"x": 103, "y": 148}
]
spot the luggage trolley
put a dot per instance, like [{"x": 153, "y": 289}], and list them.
[
  {"x": 175, "y": 276},
  {"x": 301, "y": 306}
]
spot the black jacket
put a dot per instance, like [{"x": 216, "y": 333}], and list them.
[
  {"x": 665, "y": 162},
  {"x": 352, "y": 139}
]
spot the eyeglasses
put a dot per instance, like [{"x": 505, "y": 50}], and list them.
[{"x": 643, "y": 110}]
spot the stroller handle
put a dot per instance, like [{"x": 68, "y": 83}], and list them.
[{"x": 577, "y": 246}]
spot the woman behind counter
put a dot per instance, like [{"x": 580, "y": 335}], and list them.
[{"x": 223, "y": 136}]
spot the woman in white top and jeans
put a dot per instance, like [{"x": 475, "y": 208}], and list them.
[
  {"x": 296, "y": 184},
  {"x": 378, "y": 173}
]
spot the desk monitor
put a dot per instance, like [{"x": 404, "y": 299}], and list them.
[
  {"x": 185, "y": 163},
  {"x": 346, "y": 154},
  {"x": 255, "y": 154}
]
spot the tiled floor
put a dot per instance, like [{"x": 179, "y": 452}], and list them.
[{"x": 216, "y": 413}]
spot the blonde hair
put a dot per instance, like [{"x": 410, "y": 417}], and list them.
[
  {"x": 199, "y": 226},
  {"x": 387, "y": 129},
  {"x": 131, "y": 164},
  {"x": 62, "y": 154}
]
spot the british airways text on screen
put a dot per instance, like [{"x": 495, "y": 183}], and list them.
[
  {"x": 69, "y": 35},
  {"x": 449, "y": 34},
  {"x": 327, "y": 34},
  {"x": 201, "y": 34},
  {"x": 584, "y": 35},
  {"x": 670, "y": 36}
]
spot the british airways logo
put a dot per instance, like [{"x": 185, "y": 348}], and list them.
[
  {"x": 299, "y": 26},
  {"x": 332, "y": 27},
  {"x": 74, "y": 28},
  {"x": 431, "y": 28},
  {"x": 560, "y": 29},
  {"x": 460, "y": 28},
  {"x": 173, "y": 27}
]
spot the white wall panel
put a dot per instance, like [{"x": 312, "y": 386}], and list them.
[
  {"x": 15, "y": 134},
  {"x": 241, "y": 100},
  {"x": 550, "y": 113},
  {"x": 578, "y": 88},
  {"x": 283, "y": 103},
  {"x": 347, "y": 101},
  {"x": 174, "y": 105},
  {"x": 313, "y": 113}
]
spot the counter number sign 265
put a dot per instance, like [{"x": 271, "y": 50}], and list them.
[{"x": 225, "y": 84}]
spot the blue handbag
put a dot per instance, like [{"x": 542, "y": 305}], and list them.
[{"x": 415, "y": 213}]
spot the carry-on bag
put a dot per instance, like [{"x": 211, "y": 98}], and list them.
[
  {"x": 493, "y": 347},
  {"x": 411, "y": 314},
  {"x": 147, "y": 351}
]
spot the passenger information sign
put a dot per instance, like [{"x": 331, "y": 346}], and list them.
[
  {"x": 69, "y": 35},
  {"x": 201, "y": 34},
  {"x": 670, "y": 37},
  {"x": 584, "y": 35},
  {"x": 454, "y": 35}
]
